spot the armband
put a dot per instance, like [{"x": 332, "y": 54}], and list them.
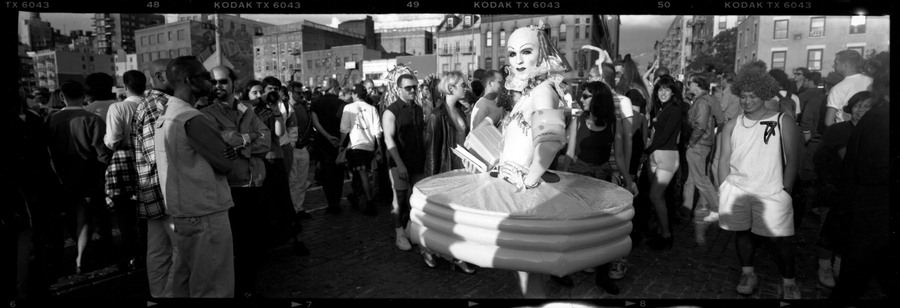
[{"x": 548, "y": 125}]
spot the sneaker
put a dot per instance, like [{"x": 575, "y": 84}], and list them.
[
  {"x": 712, "y": 217},
  {"x": 789, "y": 291},
  {"x": 618, "y": 268},
  {"x": 748, "y": 284},
  {"x": 402, "y": 241},
  {"x": 826, "y": 277}
]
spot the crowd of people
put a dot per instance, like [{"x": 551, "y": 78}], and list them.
[{"x": 201, "y": 175}]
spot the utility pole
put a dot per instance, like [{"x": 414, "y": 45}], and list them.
[
  {"x": 218, "y": 31},
  {"x": 684, "y": 36}
]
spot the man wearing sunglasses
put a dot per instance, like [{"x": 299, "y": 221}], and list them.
[
  {"x": 404, "y": 130},
  {"x": 194, "y": 161}
]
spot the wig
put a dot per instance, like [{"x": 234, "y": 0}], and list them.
[
  {"x": 753, "y": 78},
  {"x": 602, "y": 106},
  {"x": 631, "y": 78}
]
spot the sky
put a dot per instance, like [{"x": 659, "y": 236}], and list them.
[{"x": 637, "y": 35}]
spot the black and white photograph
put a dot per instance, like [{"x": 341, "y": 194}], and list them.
[{"x": 479, "y": 154}]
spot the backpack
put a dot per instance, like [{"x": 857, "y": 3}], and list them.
[{"x": 786, "y": 104}]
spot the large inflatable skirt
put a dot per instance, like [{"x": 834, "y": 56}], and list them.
[{"x": 558, "y": 228}]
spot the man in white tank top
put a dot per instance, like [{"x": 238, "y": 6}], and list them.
[{"x": 756, "y": 179}]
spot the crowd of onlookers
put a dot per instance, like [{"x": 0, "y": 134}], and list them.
[{"x": 201, "y": 171}]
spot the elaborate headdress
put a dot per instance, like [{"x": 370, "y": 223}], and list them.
[
  {"x": 391, "y": 94},
  {"x": 550, "y": 63}
]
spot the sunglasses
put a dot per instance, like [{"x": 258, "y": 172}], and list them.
[
  {"x": 770, "y": 130},
  {"x": 409, "y": 88},
  {"x": 585, "y": 96},
  {"x": 220, "y": 81}
]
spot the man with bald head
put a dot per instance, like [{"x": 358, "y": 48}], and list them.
[
  {"x": 194, "y": 162},
  {"x": 151, "y": 206}
]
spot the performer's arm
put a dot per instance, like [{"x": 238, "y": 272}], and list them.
[{"x": 548, "y": 131}]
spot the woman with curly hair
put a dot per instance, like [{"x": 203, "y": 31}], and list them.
[{"x": 757, "y": 171}]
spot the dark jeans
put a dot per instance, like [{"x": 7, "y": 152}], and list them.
[
  {"x": 332, "y": 180},
  {"x": 278, "y": 209},
  {"x": 133, "y": 243},
  {"x": 246, "y": 222}
]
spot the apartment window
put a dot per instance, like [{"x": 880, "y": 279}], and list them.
[
  {"x": 446, "y": 49},
  {"x": 180, "y": 35},
  {"x": 858, "y": 49},
  {"x": 587, "y": 21},
  {"x": 722, "y": 22},
  {"x": 778, "y": 59},
  {"x": 781, "y": 29},
  {"x": 457, "y": 46},
  {"x": 153, "y": 40},
  {"x": 490, "y": 38},
  {"x": 449, "y": 22},
  {"x": 170, "y": 35},
  {"x": 857, "y": 24},
  {"x": 739, "y": 40},
  {"x": 488, "y": 63},
  {"x": 563, "y": 30},
  {"x": 577, "y": 20},
  {"x": 160, "y": 38},
  {"x": 402, "y": 45},
  {"x": 173, "y": 54},
  {"x": 145, "y": 41},
  {"x": 814, "y": 59},
  {"x": 231, "y": 24},
  {"x": 309, "y": 64},
  {"x": 243, "y": 28},
  {"x": 577, "y": 34},
  {"x": 817, "y": 27},
  {"x": 502, "y": 37},
  {"x": 445, "y": 67},
  {"x": 755, "y": 32},
  {"x": 185, "y": 51},
  {"x": 145, "y": 57},
  {"x": 153, "y": 56},
  {"x": 467, "y": 21},
  {"x": 587, "y": 32}
]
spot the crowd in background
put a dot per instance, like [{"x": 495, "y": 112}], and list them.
[{"x": 201, "y": 171}]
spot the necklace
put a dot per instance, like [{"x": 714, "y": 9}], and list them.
[{"x": 745, "y": 125}]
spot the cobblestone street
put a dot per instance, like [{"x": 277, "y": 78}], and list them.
[{"x": 354, "y": 257}]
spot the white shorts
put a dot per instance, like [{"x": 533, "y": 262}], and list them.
[{"x": 769, "y": 216}]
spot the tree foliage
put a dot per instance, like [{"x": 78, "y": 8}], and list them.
[{"x": 720, "y": 56}]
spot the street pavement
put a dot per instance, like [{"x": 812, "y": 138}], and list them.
[{"x": 353, "y": 256}]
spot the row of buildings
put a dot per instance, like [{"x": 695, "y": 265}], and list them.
[
  {"x": 306, "y": 51},
  {"x": 784, "y": 42}
]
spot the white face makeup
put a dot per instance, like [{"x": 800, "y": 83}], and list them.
[{"x": 522, "y": 51}]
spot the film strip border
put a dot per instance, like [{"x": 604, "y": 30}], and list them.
[
  {"x": 660, "y": 7},
  {"x": 444, "y": 303}
]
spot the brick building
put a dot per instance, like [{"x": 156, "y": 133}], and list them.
[
  {"x": 333, "y": 63},
  {"x": 279, "y": 51},
  {"x": 116, "y": 31},
  {"x": 53, "y": 67},
  {"x": 789, "y": 42}
]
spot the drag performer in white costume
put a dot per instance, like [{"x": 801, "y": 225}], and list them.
[{"x": 519, "y": 216}]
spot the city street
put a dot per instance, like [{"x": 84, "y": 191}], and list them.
[{"x": 354, "y": 257}]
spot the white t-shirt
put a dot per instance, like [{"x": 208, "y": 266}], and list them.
[
  {"x": 843, "y": 91},
  {"x": 623, "y": 107},
  {"x": 360, "y": 121},
  {"x": 100, "y": 108},
  {"x": 118, "y": 121}
]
